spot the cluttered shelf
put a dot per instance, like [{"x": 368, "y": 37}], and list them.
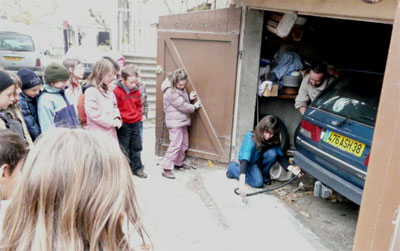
[{"x": 282, "y": 96}]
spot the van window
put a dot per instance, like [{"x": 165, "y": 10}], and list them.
[
  {"x": 16, "y": 42},
  {"x": 355, "y": 97}
]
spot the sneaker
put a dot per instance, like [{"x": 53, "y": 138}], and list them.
[
  {"x": 184, "y": 166},
  {"x": 228, "y": 175},
  {"x": 267, "y": 182},
  {"x": 140, "y": 173},
  {"x": 168, "y": 174}
]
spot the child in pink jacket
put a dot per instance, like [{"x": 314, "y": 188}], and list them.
[
  {"x": 100, "y": 103},
  {"x": 177, "y": 109}
]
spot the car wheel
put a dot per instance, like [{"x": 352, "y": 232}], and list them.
[
  {"x": 284, "y": 136},
  {"x": 296, "y": 132}
]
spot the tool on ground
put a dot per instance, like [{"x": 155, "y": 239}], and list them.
[{"x": 236, "y": 191}]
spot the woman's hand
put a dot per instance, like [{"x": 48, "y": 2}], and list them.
[
  {"x": 296, "y": 170},
  {"x": 242, "y": 185},
  {"x": 192, "y": 95}
]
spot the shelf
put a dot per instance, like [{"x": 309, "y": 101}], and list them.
[{"x": 283, "y": 96}]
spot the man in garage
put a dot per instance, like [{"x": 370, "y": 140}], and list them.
[{"x": 312, "y": 84}]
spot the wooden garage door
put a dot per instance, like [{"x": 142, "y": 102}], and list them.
[{"x": 205, "y": 44}]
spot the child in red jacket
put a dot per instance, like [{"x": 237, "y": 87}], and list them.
[{"x": 130, "y": 107}]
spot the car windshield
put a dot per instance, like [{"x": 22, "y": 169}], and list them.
[
  {"x": 354, "y": 97},
  {"x": 16, "y": 42}
]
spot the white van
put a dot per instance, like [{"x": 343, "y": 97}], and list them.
[{"x": 20, "y": 48}]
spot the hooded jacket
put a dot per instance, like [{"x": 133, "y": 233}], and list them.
[
  {"x": 177, "y": 107},
  {"x": 55, "y": 109}
]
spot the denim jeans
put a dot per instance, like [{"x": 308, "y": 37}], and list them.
[
  {"x": 141, "y": 131},
  {"x": 255, "y": 176}
]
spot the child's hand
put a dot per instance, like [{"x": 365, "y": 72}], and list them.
[
  {"x": 197, "y": 105},
  {"x": 192, "y": 95},
  {"x": 117, "y": 123}
]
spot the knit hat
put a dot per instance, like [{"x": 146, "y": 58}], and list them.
[
  {"x": 28, "y": 79},
  {"x": 55, "y": 72},
  {"x": 5, "y": 80}
]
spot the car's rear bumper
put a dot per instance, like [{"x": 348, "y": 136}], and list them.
[{"x": 337, "y": 183}]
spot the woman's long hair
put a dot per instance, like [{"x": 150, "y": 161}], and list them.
[
  {"x": 100, "y": 69},
  {"x": 268, "y": 124},
  {"x": 76, "y": 193}
]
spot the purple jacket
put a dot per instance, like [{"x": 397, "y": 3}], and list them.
[{"x": 177, "y": 107}]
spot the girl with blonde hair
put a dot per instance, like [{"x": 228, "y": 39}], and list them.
[
  {"x": 100, "y": 104},
  {"x": 74, "y": 197}
]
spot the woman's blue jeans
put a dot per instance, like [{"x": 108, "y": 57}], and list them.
[{"x": 255, "y": 176}]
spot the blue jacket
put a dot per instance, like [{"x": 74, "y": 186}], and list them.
[
  {"x": 28, "y": 108},
  {"x": 248, "y": 150},
  {"x": 55, "y": 109}
]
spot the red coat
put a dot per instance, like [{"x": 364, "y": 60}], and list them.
[{"x": 129, "y": 105}]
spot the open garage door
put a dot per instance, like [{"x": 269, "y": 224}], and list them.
[{"x": 205, "y": 44}]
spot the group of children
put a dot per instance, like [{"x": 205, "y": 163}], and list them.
[{"x": 111, "y": 101}]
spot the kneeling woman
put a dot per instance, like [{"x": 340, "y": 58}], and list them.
[{"x": 259, "y": 151}]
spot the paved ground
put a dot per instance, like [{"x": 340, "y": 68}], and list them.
[{"x": 199, "y": 211}]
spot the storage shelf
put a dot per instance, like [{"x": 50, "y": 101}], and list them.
[{"x": 283, "y": 96}]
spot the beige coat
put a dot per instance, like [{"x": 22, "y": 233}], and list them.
[{"x": 307, "y": 92}]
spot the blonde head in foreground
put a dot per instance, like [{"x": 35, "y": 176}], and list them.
[{"x": 76, "y": 193}]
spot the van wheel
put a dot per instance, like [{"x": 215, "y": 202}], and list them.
[{"x": 296, "y": 132}]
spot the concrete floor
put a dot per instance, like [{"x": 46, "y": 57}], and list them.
[{"x": 199, "y": 211}]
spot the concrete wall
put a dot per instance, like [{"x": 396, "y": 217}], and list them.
[{"x": 247, "y": 78}]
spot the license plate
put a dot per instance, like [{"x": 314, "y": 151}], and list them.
[
  {"x": 12, "y": 58},
  {"x": 344, "y": 143}
]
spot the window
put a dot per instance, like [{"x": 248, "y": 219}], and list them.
[
  {"x": 16, "y": 42},
  {"x": 353, "y": 96}
]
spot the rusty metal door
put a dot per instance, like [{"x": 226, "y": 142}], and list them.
[{"x": 205, "y": 44}]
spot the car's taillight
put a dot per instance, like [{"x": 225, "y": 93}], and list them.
[
  {"x": 366, "y": 161},
  {"x": 310, "y": 130},
  {"x": 38, "y": 62}
]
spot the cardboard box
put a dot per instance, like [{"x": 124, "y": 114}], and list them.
[{"x": 271, "y": 93}]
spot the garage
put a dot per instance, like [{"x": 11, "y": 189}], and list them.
[{"x": 351, "y": 30}]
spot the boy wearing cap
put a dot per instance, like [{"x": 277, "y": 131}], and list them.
[
  {"x": 31, "y": 86},
  {"x": 55, "y": 107}
]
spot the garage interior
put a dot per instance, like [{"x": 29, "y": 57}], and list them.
[{"x": 338, "y": 43}]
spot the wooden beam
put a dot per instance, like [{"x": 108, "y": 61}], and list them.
[
  {"x": 381, "y": 197},
  {"x": 345, "y": 9}
]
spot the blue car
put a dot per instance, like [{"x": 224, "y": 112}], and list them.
[{"x": 335, "y": 137}]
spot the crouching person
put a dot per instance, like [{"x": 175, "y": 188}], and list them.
[
  {"x": 259, "y": 152},
  {"x": 55, "y": 106}
]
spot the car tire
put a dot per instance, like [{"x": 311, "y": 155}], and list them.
[
  {"x": 284, "y": 136},
  {"x": 296, "y": 132}
]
